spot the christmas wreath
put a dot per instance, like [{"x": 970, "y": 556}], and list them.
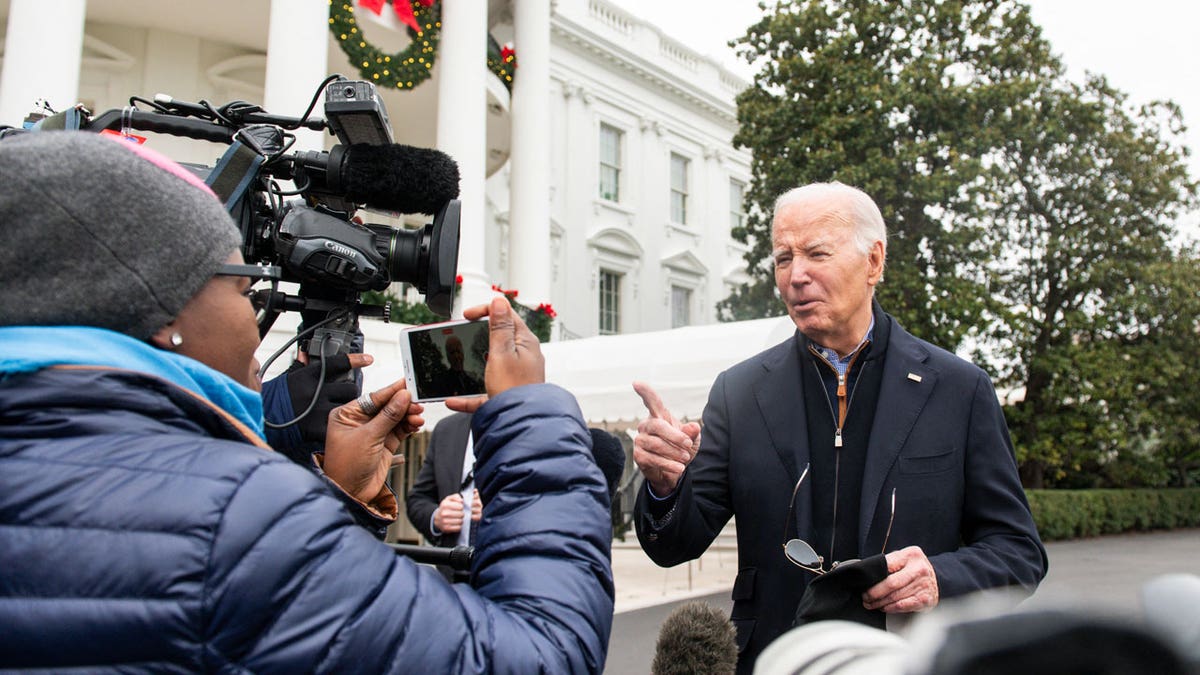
[
  {"x": 412, "y": 65},
  {"x": 404, "y": 69}
]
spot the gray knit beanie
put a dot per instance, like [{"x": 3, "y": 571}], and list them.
[{"x": 97, "y": 232}]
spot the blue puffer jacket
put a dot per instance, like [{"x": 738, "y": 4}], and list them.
[{"x": 140, "y": 531}]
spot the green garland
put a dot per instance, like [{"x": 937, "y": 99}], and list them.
[
  {"x": 502, "y": 61},
  {"x": 412, "y": 65},
  {"x": 404, "y": 69}
]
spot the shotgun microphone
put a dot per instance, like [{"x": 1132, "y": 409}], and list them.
[{"x": 392, "y": 177}]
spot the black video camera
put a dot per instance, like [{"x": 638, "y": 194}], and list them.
[{"x": 317, "y": 240}]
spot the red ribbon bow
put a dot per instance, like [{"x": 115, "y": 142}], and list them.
[{"x": 403, "y": 8}]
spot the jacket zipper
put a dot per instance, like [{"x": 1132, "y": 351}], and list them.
[
  {"x": 839, "y": 418},
  {"x": 839, "y": 421}
]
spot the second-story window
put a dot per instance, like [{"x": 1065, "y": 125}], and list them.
[
  {"x": 610, "y": 162},
  {"x": 737, "y": 194},
  {"x": 679, "y": 188}
]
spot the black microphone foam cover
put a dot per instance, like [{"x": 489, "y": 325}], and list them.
[
  {"x": 610, "y": 457},
  {"x": 399, "y": 178},
  {"x": 695, "y": 638}
]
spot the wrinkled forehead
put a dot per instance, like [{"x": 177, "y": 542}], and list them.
[{"x": 803, "y": 225}]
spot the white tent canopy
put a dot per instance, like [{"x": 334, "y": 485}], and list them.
[{"x": 680, "y": 364}]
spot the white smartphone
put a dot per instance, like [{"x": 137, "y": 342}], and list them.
[{"x": 442, "y": 360}]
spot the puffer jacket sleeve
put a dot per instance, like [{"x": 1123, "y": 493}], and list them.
[
  {"x": 277, "y": 408},
  {"x": 294, "y": 586}
]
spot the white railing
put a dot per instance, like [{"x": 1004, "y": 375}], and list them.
[
  {"x": 731, "y": 83},
  {"x": 611, "y": 17},
  {"x": 678, "y": 53}
]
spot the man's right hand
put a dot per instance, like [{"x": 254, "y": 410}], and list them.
[
  {"x": 448, "y": 518},
  {"x": 663, "y": 447}
]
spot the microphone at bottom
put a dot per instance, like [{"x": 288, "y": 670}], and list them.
[{"x": 695, "y": 638}]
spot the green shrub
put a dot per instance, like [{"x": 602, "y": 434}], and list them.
[
  {"x": 402, "y": 311},
  {"x": 1067, "y": 514}
]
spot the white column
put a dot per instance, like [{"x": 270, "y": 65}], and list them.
[
  {"x": 297, "y": 61},
  {"x": 579, "y": 199},
  {"x": 528, "y": 262},
  {"x": 462, "y": 132},
  {"x": 42, "y": 52}
]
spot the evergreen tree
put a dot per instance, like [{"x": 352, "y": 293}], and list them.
[
  {"x": 1086, "y": 193},
  {"x": 1029, "y": 214},
  {"x": 889, "y": 97}
]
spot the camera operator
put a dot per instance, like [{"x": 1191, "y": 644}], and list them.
[{"x": 144, "y": 523}]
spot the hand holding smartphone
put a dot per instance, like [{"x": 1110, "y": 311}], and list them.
[
  {"x": 506, "y": 352},
  {"x": 445, "y": 360}
]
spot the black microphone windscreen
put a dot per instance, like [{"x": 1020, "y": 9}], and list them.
[
  {"x": 610, "y": 457},
  {"x": 399, "y": 178},
  {"x": 695, "y": 638}
]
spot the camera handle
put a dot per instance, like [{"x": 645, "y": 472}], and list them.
[
  {"x": 338, "y": 331},
  {"x": 345, "y": 331}
]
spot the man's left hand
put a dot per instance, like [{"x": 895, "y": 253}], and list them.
[{"x": 911, "y": 584}]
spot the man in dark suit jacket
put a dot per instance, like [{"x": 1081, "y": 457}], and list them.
[
  {"x": 867, "y": 411},
  {"x": 435, "y": 502}
]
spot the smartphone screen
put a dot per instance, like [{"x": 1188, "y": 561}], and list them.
[{"x": 442, "y": 360}]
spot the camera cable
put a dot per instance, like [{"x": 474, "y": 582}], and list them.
[{"x": 316, "y": 394}]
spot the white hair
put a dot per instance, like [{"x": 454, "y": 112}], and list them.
[{"x": 843, "y": 204}]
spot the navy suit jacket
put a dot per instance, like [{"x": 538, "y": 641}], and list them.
[
  {"x": 440, "y": 475},
  {"x": 938, "y": 437}
]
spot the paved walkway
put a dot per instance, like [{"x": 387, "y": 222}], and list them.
[
  {"x": 1109, "y": 572},
  {"x": 1105, "y": 571},
  {"x": 641, "y": 583},
  {"x": 1104, "y": 574}
]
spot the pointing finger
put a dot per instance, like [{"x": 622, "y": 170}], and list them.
[{"x": 653, "y": 403}]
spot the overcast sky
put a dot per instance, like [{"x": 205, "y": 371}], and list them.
[{"x": 1147, "y": 49}]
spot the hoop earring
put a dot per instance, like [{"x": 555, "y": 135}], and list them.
[{"x": 176, "y": 339}]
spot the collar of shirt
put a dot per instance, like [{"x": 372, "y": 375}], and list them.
[
  {"x": 842, "y": 363},
  {"x": 467, "y": 490}
]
